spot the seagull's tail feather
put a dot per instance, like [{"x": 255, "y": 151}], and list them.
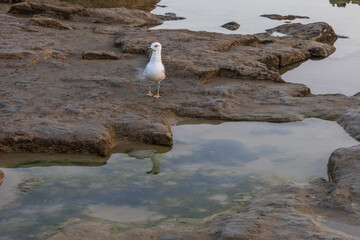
[{"x": 140, "y": 73}]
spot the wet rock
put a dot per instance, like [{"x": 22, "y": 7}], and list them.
[
  {"x": 170, "y": 17},
  {"x": 319, "y": 32},
  {"x": 50, "y": 23},
  {"x": 52, "y": 8},
  {"x": 100, "y": 55},
  {"x": 281, "y": 17},
  {"x": 344, "y": 172},
  {"x": 343, "y": 3},
  {"x": 1, "y": 177},
  {"x": 231, "y": 26},
  {"x": 30, "y": 184},
  {"x": 350, "y": 121}
]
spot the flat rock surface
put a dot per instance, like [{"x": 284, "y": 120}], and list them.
[{"x": 62, "y": 103}]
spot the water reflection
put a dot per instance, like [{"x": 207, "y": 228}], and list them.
[
  {"x": 211, "y": 168},
  {"x": 146, "y": 5}
]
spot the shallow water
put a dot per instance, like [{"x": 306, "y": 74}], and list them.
[
  {"x": 210, "y": 169},
  {"x": 339, "y": 73}
]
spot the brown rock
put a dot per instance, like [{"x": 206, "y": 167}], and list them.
[
  {"x": 88, "y": 106},
  {"x": 100, "y": 55},
  {"x": 52, "y": 8},
  {"x": 50, "y": 23},
  {"x": 106, "y": 30},
  {"x": 54, "y": 54},
  {"x": 344, "y": 172},
  {"x": 350, "y": 121},
  {"x": 281, "y": 17},
  {"x": 231, "y": 26},
  {"x": 320, "y": 31},
  {"x": 17, "y": 58},
  {"x": 170, "y": 17},
  {"x": 123, "y": 16}
]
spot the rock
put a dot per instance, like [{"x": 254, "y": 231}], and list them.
[
  {"x": 231, "y": 26},
  {"x": 1, "y": 177},
  {"x": 350, "y": 121},
  {"x": 17, "y": 58},
  {"x": 106, "y": 30},
  {"x": 88, "y": 106},
  {"x": 252, "y": 57},
  {"x": 31, "y": 28},
  {"x": 50, "y": 7},
  {"x": 170, "y": 17},
  {"x": 100, "y": 55},
  {"x": 135, "y": 18},
  {"x": 30, "y": 184},
  {"x": 320, "y": 31},
  {"x": 343, "y": 3},
  {"x": 50, "y": 23},
  {"x": 344, "y": 172},
  {"x": 281, "y": 17}
]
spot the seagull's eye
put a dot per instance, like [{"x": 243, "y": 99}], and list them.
[{"x": 156, "y": 45}]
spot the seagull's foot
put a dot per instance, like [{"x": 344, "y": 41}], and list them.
[
  {"x": 157, "y": 96},
  {"x": 149, "y": 94}
]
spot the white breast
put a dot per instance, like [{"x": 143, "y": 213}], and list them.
[{"x": 154, "y": 71}]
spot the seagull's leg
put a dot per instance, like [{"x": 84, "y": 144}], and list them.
[
  {"x": 149, "y": 93},
  {"x": 158, "y": 93}
]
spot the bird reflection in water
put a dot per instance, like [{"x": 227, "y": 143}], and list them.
[
  {"x": 156, "y": 162},
  {"x": 154, "y": 154}
]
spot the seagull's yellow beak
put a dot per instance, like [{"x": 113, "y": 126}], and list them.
[{"x": 150, "y": 48}]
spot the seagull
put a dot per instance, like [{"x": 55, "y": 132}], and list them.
[{"x": 155, "y": 70}]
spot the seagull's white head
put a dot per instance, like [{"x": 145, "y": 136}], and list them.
[{"x": 155, "y": 47}]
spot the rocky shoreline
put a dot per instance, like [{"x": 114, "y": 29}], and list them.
[{"x": 70, "y": 84}]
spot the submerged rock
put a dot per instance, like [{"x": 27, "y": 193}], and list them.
[
  {"x": 281, "y": 17},
  {"x": 30, "y": 184},
  {"x": 231, "y": 26}
]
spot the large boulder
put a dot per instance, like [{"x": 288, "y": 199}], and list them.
[{"x": 344, "y": 173}]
